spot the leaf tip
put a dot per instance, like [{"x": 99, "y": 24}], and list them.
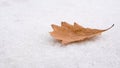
[
  {"x": 75, "y": 23},
  {"x": 55, "y": 27}
]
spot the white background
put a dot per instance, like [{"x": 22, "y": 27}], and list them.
[{"x": 25, "y": 41}]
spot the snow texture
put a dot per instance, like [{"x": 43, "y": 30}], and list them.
[{"x": 25, "y": 41}]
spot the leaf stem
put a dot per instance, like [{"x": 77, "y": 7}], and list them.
[{"x": 109, "y": 27}]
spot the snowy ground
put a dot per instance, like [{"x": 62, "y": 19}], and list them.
[{"x": 26, "y": 43}]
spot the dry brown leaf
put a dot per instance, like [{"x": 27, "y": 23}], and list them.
[{"x": 70, "y": 33}]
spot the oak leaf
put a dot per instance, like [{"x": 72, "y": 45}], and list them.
[{"x": 68, "y": 33}]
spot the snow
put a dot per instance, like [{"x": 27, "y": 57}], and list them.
[{"x": 25, "y": 41}]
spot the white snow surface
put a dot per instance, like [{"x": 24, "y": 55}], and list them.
[{"x": 25, "y": 41}]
